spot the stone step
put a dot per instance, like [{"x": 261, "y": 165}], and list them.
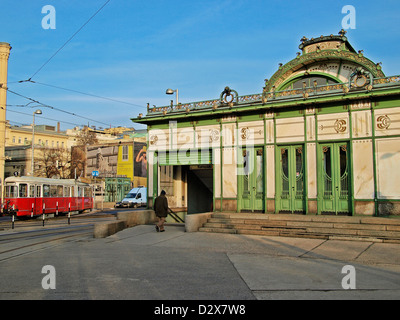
[
  {"x": 304, "y": 234},
  {"x": 217, "y": 230},
  {"x": 321, "y": 227},
  {"x": 241, "y": 223},
  {"x": 314, "y": 218},
  {"x": 248, "y": 221},
  {"x": 283, "y": 233}
]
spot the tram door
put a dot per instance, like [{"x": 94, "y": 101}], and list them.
[
  {"x": 290, "y": 179},
  {"x": 252, "y": 180},
  {"x": 334, "y": 177},
  {"x": 36, "y": 192}
]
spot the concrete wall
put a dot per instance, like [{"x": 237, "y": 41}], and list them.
[
  {"x": 134, "y": 218},
  {"x": 125, "y": 219},
  {"x": 103, "y": 230},
  {"x": 194, "y": 221}
]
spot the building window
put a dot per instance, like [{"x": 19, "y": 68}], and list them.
[
  {"x": 125, "y": 154},
  {"x": 13, "y": 140},
  {"x": 19, "y": 140}
]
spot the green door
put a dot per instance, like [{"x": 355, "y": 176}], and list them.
[
  {"x": 290, "y": 180},
  {"x": 334, "y": 178},
  {"x": 251, "y": 180}
]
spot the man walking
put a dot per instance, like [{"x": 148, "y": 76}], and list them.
[{"x": 161, "y": 209}]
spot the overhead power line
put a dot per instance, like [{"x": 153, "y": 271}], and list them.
[
  {"x": 80, "y": 92},
  {"x": 51, "y": 107},
  {"x": 29, "y": 114},
  {"x": 69, "y": 39}
]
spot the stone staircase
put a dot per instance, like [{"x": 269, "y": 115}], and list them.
[{"x": 372, "y": 229}]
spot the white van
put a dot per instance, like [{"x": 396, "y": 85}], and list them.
[{"x": 137, "y": 197}]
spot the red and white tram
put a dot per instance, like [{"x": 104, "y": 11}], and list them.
[{"x": 33, "y": 196}]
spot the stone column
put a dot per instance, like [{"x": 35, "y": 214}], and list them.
[{"x": 4, "y": 54}]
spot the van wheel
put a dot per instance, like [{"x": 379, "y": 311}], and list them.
[{"x": 135, "y": 205}]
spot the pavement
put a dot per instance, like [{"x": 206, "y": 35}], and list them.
[{"x": 140, "y": 264}]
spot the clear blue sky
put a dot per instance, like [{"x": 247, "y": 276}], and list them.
[{"x": 134, "y": 50}]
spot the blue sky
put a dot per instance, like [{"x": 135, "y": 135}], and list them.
[{"x": 132, "y": 51}]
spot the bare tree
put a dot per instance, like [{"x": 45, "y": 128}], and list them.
[
  {"x": 78, "y": 160},
  {"x": 78, "y": 153},
  {"x": 53, "y": 162},
  {"x": 86, "y": 137}
]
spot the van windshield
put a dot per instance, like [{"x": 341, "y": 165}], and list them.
[{"x": 131, "y": 195}]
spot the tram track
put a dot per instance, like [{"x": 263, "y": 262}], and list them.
[
  {"x": 44, "y": 235},
  {"x": 19, "y": 244},
  {"x": 31, "y": 236},
  {"x": 53, "y": 221}
]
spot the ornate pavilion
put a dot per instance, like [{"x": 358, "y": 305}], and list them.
[{"x": 323, "y": 137}]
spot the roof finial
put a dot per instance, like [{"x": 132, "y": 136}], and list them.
[
  {"x": 304, "y": 39},
  {"x": 342, "y": 32}
]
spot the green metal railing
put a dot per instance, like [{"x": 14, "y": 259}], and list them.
[{"x": 275, "y": 96}]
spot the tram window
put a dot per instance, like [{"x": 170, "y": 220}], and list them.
[
  {"x": 46, "y": 191},
  {"x": 53, "y": 191},
  {"x": 38, "y": 193},
  {"x": 32, "y": 191},
  {"x": 60, "y": 191},
  {"x": 72, "y": 191},
  {"x": 66, "y": 191},
  {"x": 88, "y": 192},
  {"x": 11, "y": 191},
  {"x": 23, "y": 190},
  {"x": 80, "y": 192}
]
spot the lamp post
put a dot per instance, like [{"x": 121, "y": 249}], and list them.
[
  {"x": 38, "y": 111},
  {"x": 170, "y": 91}
]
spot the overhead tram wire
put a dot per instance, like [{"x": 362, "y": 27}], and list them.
[
  {"x": 76, "y": 91},
  {"x": 69, "y": 39},
  {"x": 80, "y": 92},
  {"x": 41, "y": 117},
  {"x": 53, "y": 108}
]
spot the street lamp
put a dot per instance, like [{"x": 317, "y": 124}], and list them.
[
  {"x": 170, "y": 91},
  {"x": 38, "y": 111}
]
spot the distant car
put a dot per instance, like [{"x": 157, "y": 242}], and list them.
[
  {"x": 137, "y": 197},
  {"x": 118, "y": 204}
]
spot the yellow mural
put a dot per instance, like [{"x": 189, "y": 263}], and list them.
[
  {"x": 125, "y": 163},
  {"x": 132, "y": 163}
]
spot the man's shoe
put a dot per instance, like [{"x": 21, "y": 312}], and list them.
[
  {"x": 162, "y": 230},
  {"x": 158, "y": 229}
]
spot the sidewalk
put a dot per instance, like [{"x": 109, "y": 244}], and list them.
[{"x": 139, "y": 263}]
